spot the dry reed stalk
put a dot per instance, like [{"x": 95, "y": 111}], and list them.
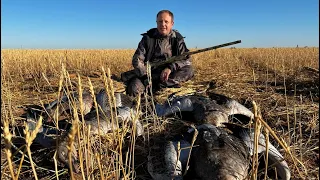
[
  {"x": 150, "y": 88},
  {"x": 8, "y": 144},
  {"x": 194, "y": 138},
  {"x": 300, "y": 127},
  {"x": 267, "y": 151},
  {"x": 127, "y": 159},
  {"x": 56, "y": 165},
  {"x": 7, "y": 140},
  {"x": 130, "y": 157},
  {"x": 98, "y": 118},
  {"x": 178, "y": 156},
  {"x": 71, "y": 137},
  {"x": 254, "y": 77},
  {"x": 114, "y": 120},
  {"x": 20, "y": 164},
  {"x": 30, "y": 136},
  {"x": 119, "y": 155},
  {"x": 87, "y": 138},
  {"x": 83, "y": 125},
  {"x": 58, "y": 97},
  {"x": 257, "y": 129},
  {"x": 73, "y": 59},
  {"x": 98, "y": 157},
  {"x": 284, "y": 146},
  {"x": 287, "y": 108},
  {"x": 106, "y": 84},
  {"x": 73, "y": 104},
  {"x": 294, "y": 130},
  {"x": 113, "y": 99},
  {"x": 112, "y": 102}
]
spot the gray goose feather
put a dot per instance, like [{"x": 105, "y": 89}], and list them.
[
  {"x": 201, "y": 109},
  {"x": 217, "y": 154},
  {"x": 46, "y": 136}
]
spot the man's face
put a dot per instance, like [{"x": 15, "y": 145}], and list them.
[{"x": 164, "y": 23}]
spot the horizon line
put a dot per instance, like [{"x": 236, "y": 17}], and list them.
[{"x": 232, "y": 47}]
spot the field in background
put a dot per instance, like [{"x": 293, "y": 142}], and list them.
[{"x": 284, "y": 82}]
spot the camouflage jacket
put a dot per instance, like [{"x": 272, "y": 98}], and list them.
[{"x": 164, "y": 47}]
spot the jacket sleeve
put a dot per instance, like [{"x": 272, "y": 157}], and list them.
[
  {"x": 139, "y": 57},
  {"x": 179, "y": 64}
]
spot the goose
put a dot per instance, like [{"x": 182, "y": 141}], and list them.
[
  {"x": 125, "y": 108},
  {"x": 218, "y": 153},
  {"x": 62, "y": 105},
  {"x": 121, "y": 99},
  {"x": 162, "y": 161},
  {"x": 200, "y": 109},
  {"x": 47, "y": 135}
]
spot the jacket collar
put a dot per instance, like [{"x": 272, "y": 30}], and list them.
[{"x": 155, "y": 33}]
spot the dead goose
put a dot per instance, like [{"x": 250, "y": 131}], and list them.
[
  {"x": 62, "y": 153},
  {"x": 162, "y": 159},
  {"x": 274, "y": 156},
  {"x": 124, "y": 114},
  {"x": 105, "y": 126},
  {"x": 201, "y": 109},
  {"x": 47, "y": 136},
  {"x": 217, "y": 154},
  {"x": 121, "y": 100},
  {"x": 125, "y": 107},
  {"x": 63, "y": 105}
]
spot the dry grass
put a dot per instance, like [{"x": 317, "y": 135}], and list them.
[{"x": 281, "y": 81}]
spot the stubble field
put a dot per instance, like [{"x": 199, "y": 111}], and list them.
[{"x": 284, "y": 83}]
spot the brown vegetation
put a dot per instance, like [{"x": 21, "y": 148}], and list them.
[{"x": 283, "y": 82}]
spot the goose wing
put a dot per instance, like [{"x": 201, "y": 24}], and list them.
[
  {"x": 67, "y": 102},
  {"x": 163, "y": 160},
  {"x": 218, "y": 155},
  {"x": 231, "y": 106},
  {"x": 247, "y": 136}
]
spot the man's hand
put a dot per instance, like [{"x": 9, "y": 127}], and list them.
[{"x": 165, "y": 74}]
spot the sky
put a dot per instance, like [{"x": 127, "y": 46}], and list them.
[{"x": 118, "y": 24}]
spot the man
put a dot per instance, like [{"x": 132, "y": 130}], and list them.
[{"x": 158, "y": 44}]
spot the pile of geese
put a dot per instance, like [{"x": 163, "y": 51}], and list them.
[{"x": 222, "y": 148}]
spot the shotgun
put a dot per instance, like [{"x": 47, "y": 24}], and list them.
[{"x": 126, "y": 76}]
